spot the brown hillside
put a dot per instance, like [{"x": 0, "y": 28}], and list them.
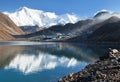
[{"x": 8, "y": 28}]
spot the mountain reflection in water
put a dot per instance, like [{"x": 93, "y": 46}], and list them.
[
  {"x": 31, "y": 63},
  {"x": 59, "y": 58}
]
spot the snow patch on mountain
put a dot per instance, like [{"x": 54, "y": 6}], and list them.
[
  {"x": 105, "y": 14},
  {"x": 32, "y": 17}
]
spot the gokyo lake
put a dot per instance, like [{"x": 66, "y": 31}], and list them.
[{"x": 45, "y": 61}]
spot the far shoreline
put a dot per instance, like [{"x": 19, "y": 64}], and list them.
[{"x": 62, "y": 41}]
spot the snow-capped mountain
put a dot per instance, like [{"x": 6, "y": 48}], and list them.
[{"x": 32, "y": 17}]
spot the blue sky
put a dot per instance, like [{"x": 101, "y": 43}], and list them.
[{"x": 79, "y": 7}]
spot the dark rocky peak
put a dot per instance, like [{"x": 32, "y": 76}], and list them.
[
  {"x": 101, "y": 13},
  {"x": 23, "y": 8}
]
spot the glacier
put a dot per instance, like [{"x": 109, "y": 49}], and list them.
[{"x": 31, "y": 17}]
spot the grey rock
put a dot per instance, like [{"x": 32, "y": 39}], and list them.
[{"x": 105, "y": 70}]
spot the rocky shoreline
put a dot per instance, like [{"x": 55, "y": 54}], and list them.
[{"x": 106, "y": 69}]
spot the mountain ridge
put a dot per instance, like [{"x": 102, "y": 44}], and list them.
[
  {"x": 86, "y": 30},
  {"x": 32, "y": 17}
]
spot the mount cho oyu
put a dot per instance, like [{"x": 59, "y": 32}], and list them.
[{"x": 32, "y": 20}]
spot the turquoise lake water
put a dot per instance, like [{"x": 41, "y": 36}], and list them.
[{"x": 45, "y": 62}]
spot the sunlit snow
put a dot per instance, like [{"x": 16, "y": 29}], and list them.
[{"x": 32, "y": 17}]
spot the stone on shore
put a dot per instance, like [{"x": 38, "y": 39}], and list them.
[{"x": 107, "y": 69}]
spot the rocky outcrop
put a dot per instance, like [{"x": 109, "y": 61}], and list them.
[{"x": 107, "y": 69}]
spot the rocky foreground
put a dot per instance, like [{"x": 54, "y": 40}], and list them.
[{"x": 107, "y": 69}]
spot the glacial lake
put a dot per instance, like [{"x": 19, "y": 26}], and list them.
[{"x": 45, "y": 62}]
